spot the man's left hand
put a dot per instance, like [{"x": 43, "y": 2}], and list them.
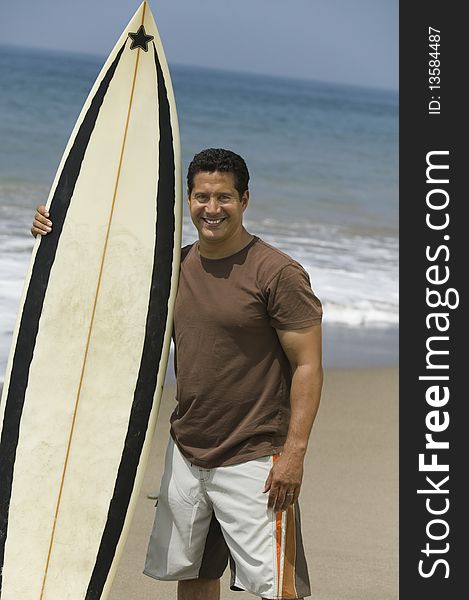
[{"x": 284, "y": 482}]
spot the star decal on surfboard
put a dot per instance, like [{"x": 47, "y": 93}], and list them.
[{"x": 140, "y": 39}]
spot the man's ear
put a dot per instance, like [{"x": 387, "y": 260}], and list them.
[{"x": 245, "y": 199}]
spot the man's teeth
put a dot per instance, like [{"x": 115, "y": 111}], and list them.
[{"x": 213, "y": 221}]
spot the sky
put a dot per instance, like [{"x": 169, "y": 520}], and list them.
[{"x": 343, "y": 41}]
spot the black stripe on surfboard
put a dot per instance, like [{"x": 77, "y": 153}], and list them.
[
  {"x": 34, "y": 301},
  {"x": 152, "y": 349}
]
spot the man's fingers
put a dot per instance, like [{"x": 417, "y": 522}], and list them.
[
  {"x": 282, "y": 502},
  {"x": 42, "y": 225},
  {"x": 283, "y": 484},
  {"x": 42, "y": 210},
  {"x": 42, "y": 219},
  {"x": 280, "y": 498},
  {"x": 272, "y": 499},
  {"x": 268, "y": 482},
  {"x": 42, "y": 228}
]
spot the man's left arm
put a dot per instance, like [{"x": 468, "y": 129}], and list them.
[{"x": 303, "y": 350}]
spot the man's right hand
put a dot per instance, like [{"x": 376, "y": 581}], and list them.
[{"x": 41, "y": 224}]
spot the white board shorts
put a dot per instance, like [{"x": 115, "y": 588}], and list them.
[{"x": 206, "y": 516}]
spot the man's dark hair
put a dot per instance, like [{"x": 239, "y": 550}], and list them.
[{"x": 218, "y": 159}]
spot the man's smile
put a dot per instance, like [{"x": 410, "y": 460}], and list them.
[{"x": 213, "y": 222}]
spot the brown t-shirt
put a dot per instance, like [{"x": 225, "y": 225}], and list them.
[{"x": 233, "y": 378}]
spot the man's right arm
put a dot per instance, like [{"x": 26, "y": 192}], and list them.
[{"x": 41, "y": 224}]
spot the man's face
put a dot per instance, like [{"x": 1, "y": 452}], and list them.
[{"x": 216, "y": 207}]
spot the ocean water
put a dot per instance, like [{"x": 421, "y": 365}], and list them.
[{"x": 323, "y": 161}]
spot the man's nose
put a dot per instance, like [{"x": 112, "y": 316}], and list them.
[{"x": 212, "y": 206}]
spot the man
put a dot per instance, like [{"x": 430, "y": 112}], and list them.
[{"x": 249, "y": 377}]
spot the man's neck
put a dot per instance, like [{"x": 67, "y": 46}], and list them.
[{"x": 227, "y": 248}]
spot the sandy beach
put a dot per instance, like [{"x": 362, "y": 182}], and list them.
[{"x": 349, "y": 498}]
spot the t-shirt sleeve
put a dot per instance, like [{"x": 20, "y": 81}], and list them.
[{"x": 291, "y": 302}]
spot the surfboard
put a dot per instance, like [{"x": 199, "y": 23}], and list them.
[{"x": 90, "y": 347}]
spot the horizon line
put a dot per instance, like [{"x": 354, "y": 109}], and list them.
[{"x": 103, "y": 56}]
